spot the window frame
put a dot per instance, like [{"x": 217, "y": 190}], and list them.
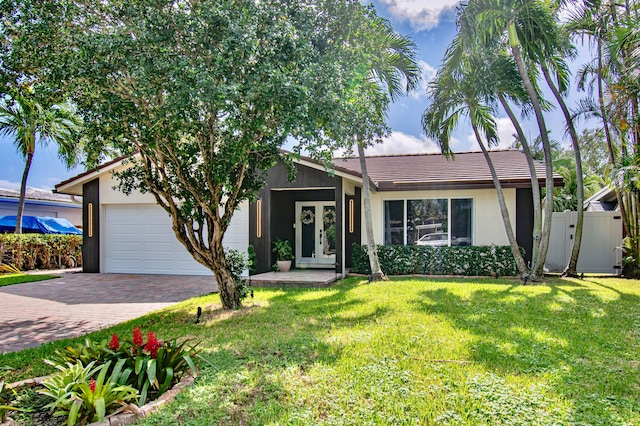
[{"x": 417, "y": 198}]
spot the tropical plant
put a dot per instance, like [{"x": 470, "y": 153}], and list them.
[
  {"x": 282, "y": 249},
  {"x": 29, "y": 122},
  {"x": 84, "y": 393},
  {"x": 461, "y": 88},
  {"x": 151, "y": 367},
  {"x": 394, "y": 70},
  {"x": 529, "y": 29}
]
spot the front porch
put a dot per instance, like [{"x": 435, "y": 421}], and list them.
[{"x": 297, "y": 278}]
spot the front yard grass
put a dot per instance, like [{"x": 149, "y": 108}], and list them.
[
  {"x": 10, "y": 279},
  {"x": 408, "y": 351}
]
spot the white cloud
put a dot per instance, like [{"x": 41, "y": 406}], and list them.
[
  {"x": 505, "y": 135},
  {"x": 421, "y": 14},
  {"x": 7, "y": 184},
  {"x": 402, "y": 143},
  {"x": 428, "y": 72}
]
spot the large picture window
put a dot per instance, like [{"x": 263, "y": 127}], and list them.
[{"x": 431, "y": 222}]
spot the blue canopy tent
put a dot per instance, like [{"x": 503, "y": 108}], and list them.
[{"x": 39, "y": 225}]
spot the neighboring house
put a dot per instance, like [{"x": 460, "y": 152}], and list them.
[
  {"x": 604, "y": 200},
  {"x": 42, "y": 203},
  {"x": 321, "y": 214}
]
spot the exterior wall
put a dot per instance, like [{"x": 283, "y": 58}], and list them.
[
  {"x": 278, "y": 199},
  {"x": 108, "y": 195},
  {"x": 42, "y": 208},
  {"x": 91, "y": 227},
  {"x": 488, "y": 227}
]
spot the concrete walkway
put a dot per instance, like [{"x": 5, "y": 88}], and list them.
[{"x": 75, "y": 304}]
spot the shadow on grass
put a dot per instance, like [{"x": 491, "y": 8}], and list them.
[
  {"x": 581, "y": 336},
  {"x": 250, "y": 353}
]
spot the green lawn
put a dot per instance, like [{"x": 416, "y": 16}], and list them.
[
  {"x": 478, "y": 351},
  {"x": 10, "y": 279}
]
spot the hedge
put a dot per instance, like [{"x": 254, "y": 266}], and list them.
[
  {"x": 425, "y": 260},
  {"x": 38, "y": 251}
]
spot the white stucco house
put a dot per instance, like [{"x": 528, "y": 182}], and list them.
[{"x": 416, "y": 199}]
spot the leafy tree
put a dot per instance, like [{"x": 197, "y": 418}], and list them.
[
  {"x": 29, "y": 123},
  {"x": 201, "y": 95}
]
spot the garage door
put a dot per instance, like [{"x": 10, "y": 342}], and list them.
[{"x": 138, "y": 239}]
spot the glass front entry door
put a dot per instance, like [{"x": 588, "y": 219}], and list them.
[{"x": 315, "y": 234}]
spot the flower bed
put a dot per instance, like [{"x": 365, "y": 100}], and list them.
[{"x": 106, "y": 382}]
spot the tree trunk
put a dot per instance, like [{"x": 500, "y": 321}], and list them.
[
  {"x": 570, "y": 270},
  {"x": 535, "y": 185},
  {"x": 504, "y": 212},
  {"x": 23, "y": 193},
  {"x": 372, "y": 250},
  {"x": 229, "y": 294},
  {"x": 537, "y": 269}
]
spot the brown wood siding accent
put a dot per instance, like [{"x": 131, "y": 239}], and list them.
[
  {"x": 91, "y": 244},
  {"x": 524, "y": 221},
  {"x": 339, "y": 220},
  {"x": 356, "y": 236},
  {"x": 278, "y": 207}
]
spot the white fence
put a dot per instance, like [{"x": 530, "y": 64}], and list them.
[{"x": 601, "y": 239}]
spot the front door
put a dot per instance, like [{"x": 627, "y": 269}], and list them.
[{"x": 315, "y": 234}]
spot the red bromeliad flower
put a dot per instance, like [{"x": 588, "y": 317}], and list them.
[
  {"x": 137, "y": 337},
  {"x": 152, "y": 345},
  {"x": 92, "y": 385},
  {"x": 114, "y": 344}
]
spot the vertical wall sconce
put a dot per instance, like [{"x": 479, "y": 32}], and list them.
[
  {"x": 90, "y": 219},
  {"x": 351, "y": 215},
  {"x": 259, "y": 218}
]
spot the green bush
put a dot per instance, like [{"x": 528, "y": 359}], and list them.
[
  {"x": 425, "y": 260},
  {"x": 38, "y": 251}
]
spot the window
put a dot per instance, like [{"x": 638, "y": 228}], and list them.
[{"x": 433, "y": 222}]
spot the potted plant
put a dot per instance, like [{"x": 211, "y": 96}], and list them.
[{"x": 284, "y": 254}]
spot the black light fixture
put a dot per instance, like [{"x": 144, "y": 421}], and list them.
[{"x": 198, "y": 315}]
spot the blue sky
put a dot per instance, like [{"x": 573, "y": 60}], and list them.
[{"x": 431, "y": 24}]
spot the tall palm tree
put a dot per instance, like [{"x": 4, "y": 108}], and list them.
[
  {"x": 395, "y": 71},
  {"x": 462, "y": 91},
  {"x": 26, "y": 120},
  {"x": 531, "y": 32}
]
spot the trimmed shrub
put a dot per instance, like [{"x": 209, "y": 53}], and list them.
[
  {"x": 425, "y": 260},
  {"x": 39, "y": 251}
]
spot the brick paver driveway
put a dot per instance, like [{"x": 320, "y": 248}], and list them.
[{"x": 75, "y": 304}]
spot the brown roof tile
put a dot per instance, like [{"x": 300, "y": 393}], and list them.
[{"x": 434, "y": 171}]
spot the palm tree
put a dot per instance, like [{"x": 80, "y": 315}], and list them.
[
  {"x": 29, "y": 122},
  {"x": 530, "y": 30},
  {"x": 394, "y": 70},
  {"x": 465, "y": 90}
]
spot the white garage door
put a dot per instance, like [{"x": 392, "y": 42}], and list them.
[{"x": 138, "y": 239}]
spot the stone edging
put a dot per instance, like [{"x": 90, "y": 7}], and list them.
[
  {"x": 167, "y": 397},
  {"x": 124, "y": 418}
]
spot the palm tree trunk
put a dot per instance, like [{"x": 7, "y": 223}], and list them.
[
  {"x": 537, "y": 269},
  {"x": 372, "y": 250},
  {"x": 535, "y": 185},
  {"x": 504, "y": 212},
  {"x": 23, "y": 193},
  {"x": 570, "y": 270}
]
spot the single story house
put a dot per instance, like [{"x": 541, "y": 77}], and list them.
[
  {"x": 416, "y": 199},
  {"x": 42, "y": 203}
]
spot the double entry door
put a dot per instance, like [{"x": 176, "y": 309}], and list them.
[{"x": 316, "y": 234}]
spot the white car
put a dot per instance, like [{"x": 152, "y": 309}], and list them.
[
  {"x": 442, "y": 240},
  {"x": 434, "y": 240}
]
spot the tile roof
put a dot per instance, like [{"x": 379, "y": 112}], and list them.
[
  {"x": 37, "y": 194},
  {"x": 434, "y": 171}
]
